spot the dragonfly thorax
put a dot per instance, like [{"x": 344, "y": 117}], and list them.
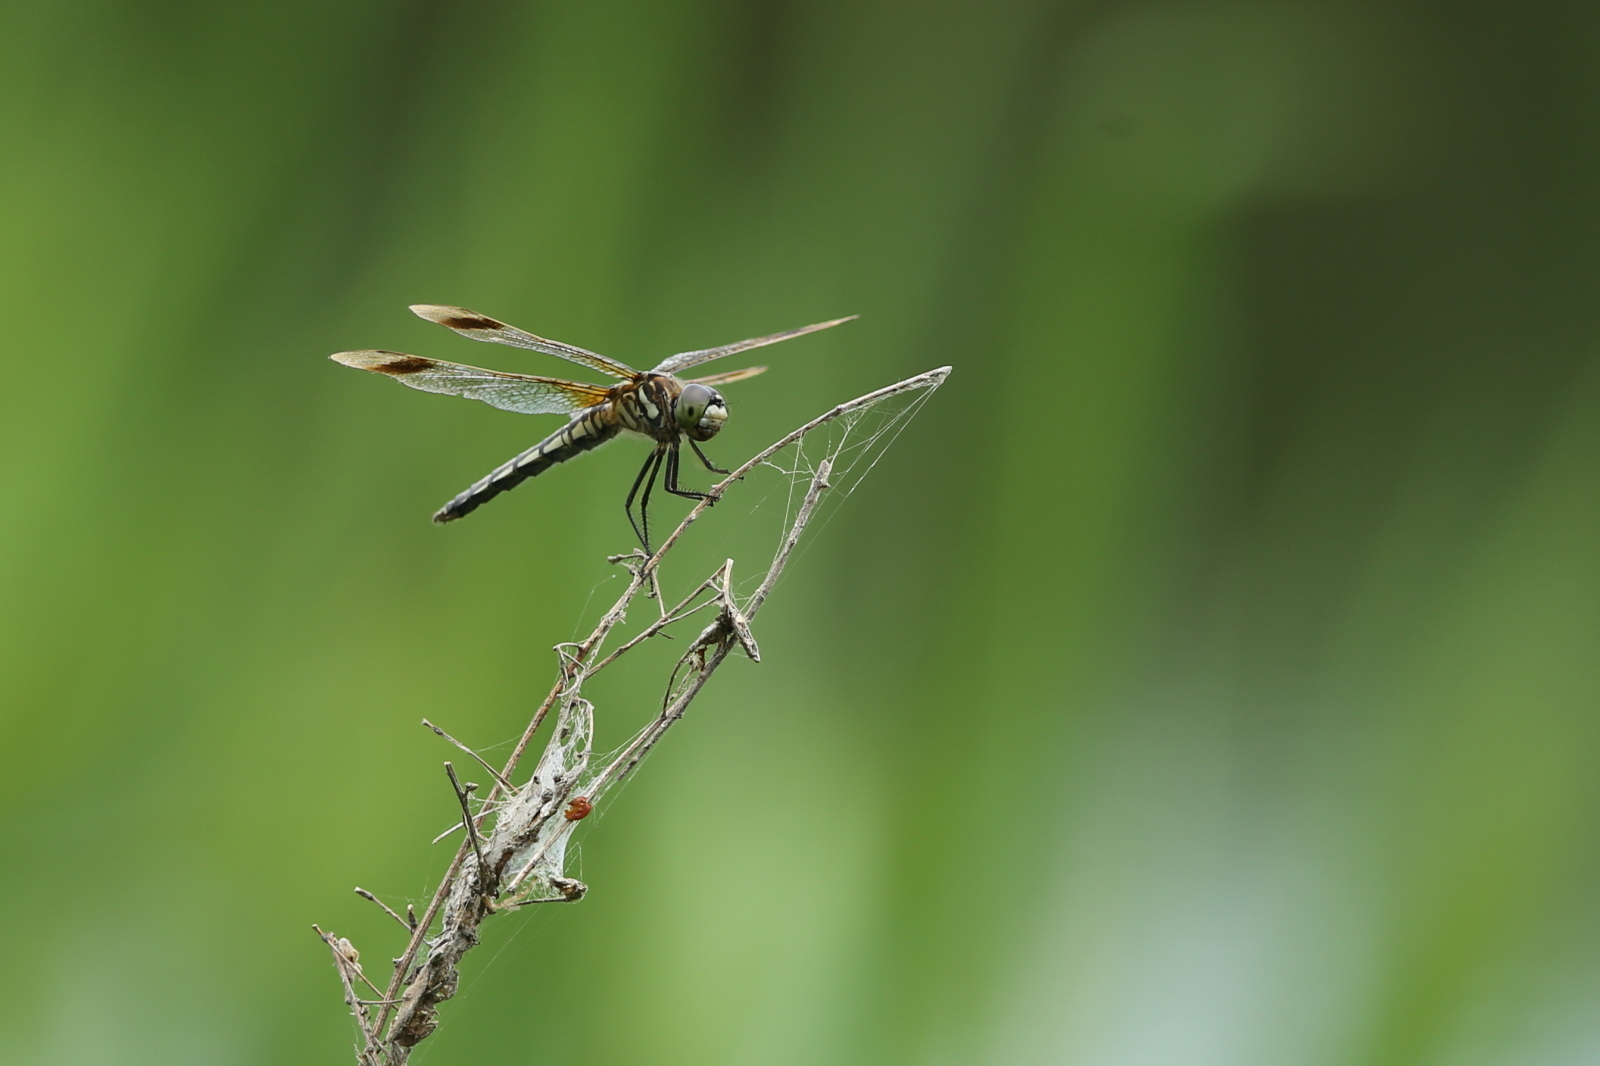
[{"x": 700, "y": 411}]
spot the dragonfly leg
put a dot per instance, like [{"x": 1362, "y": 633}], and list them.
[
  {"x": 652, "y": 465},
  {"x": 644, "y": 503},
  {"x": 672, "y": 478},
  {"x": 709, "y": 464}
]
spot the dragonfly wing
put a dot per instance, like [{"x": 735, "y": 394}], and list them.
[
  {"x": 683, "y": 360},
  {"x": 521, "y": 393},
  {"x": 478, "y": 327},
  {"x": 732, "y": 375}
]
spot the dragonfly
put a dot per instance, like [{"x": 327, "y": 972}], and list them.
[{"x": 655, "y": 404}]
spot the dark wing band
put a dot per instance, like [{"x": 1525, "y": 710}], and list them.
[
  {"x": 521, "y": 393},
  {"x": 478, "y": 327},
  {"x": 683, "y": 360}
]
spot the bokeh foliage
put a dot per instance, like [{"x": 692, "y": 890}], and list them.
[{"x": 1208, "y": 677}]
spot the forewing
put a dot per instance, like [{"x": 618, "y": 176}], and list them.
[
  {"x": 521, "y": 393},
  {"x": 478, "y": 327},
  {"x": 683, "y": 360},
  {"x": 732, "y": 375}
]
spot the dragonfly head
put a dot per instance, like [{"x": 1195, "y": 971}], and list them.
[{"x": 700, "y": 411}]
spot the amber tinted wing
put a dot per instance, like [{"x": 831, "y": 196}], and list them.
[
  {"x": 478, "y": 327},
  {"x": 683, "y": 360},
  {"x": 510, "y": 392},
  {"x": 732, "y": 375}
]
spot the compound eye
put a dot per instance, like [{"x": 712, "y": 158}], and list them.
[
  {"x": 692, "y": 403},
  {"x": 700, "y": 411}
]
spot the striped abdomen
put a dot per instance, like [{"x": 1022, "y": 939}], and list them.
[{"x": 590, "y": 430}]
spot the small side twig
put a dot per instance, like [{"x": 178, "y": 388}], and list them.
[
  {"x": 501, "y": 781},
  {"x": 484, "y": 873},
  {"x": 347, "y": 962},
  {"x": 364, "y": 894}
]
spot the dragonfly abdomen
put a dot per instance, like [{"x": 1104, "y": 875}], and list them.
[{"x": 591, "y": 430}]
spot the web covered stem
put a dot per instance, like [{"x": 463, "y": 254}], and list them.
[{"x": 520, "y": 858}]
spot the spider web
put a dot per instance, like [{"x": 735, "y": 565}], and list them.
[
  {"x": 851, "y": 445},
  {"x": 811, "y": 472}
]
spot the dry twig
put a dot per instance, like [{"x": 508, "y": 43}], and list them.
[{"x": 520, "y": 858}]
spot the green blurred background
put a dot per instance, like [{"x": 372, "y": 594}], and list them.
[{"x": 1207, "y": 678}]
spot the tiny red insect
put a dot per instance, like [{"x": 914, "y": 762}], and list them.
[{"x": 578, "y": 808}]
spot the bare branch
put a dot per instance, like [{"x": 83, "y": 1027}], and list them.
[{"x": 515, "y": 849}]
